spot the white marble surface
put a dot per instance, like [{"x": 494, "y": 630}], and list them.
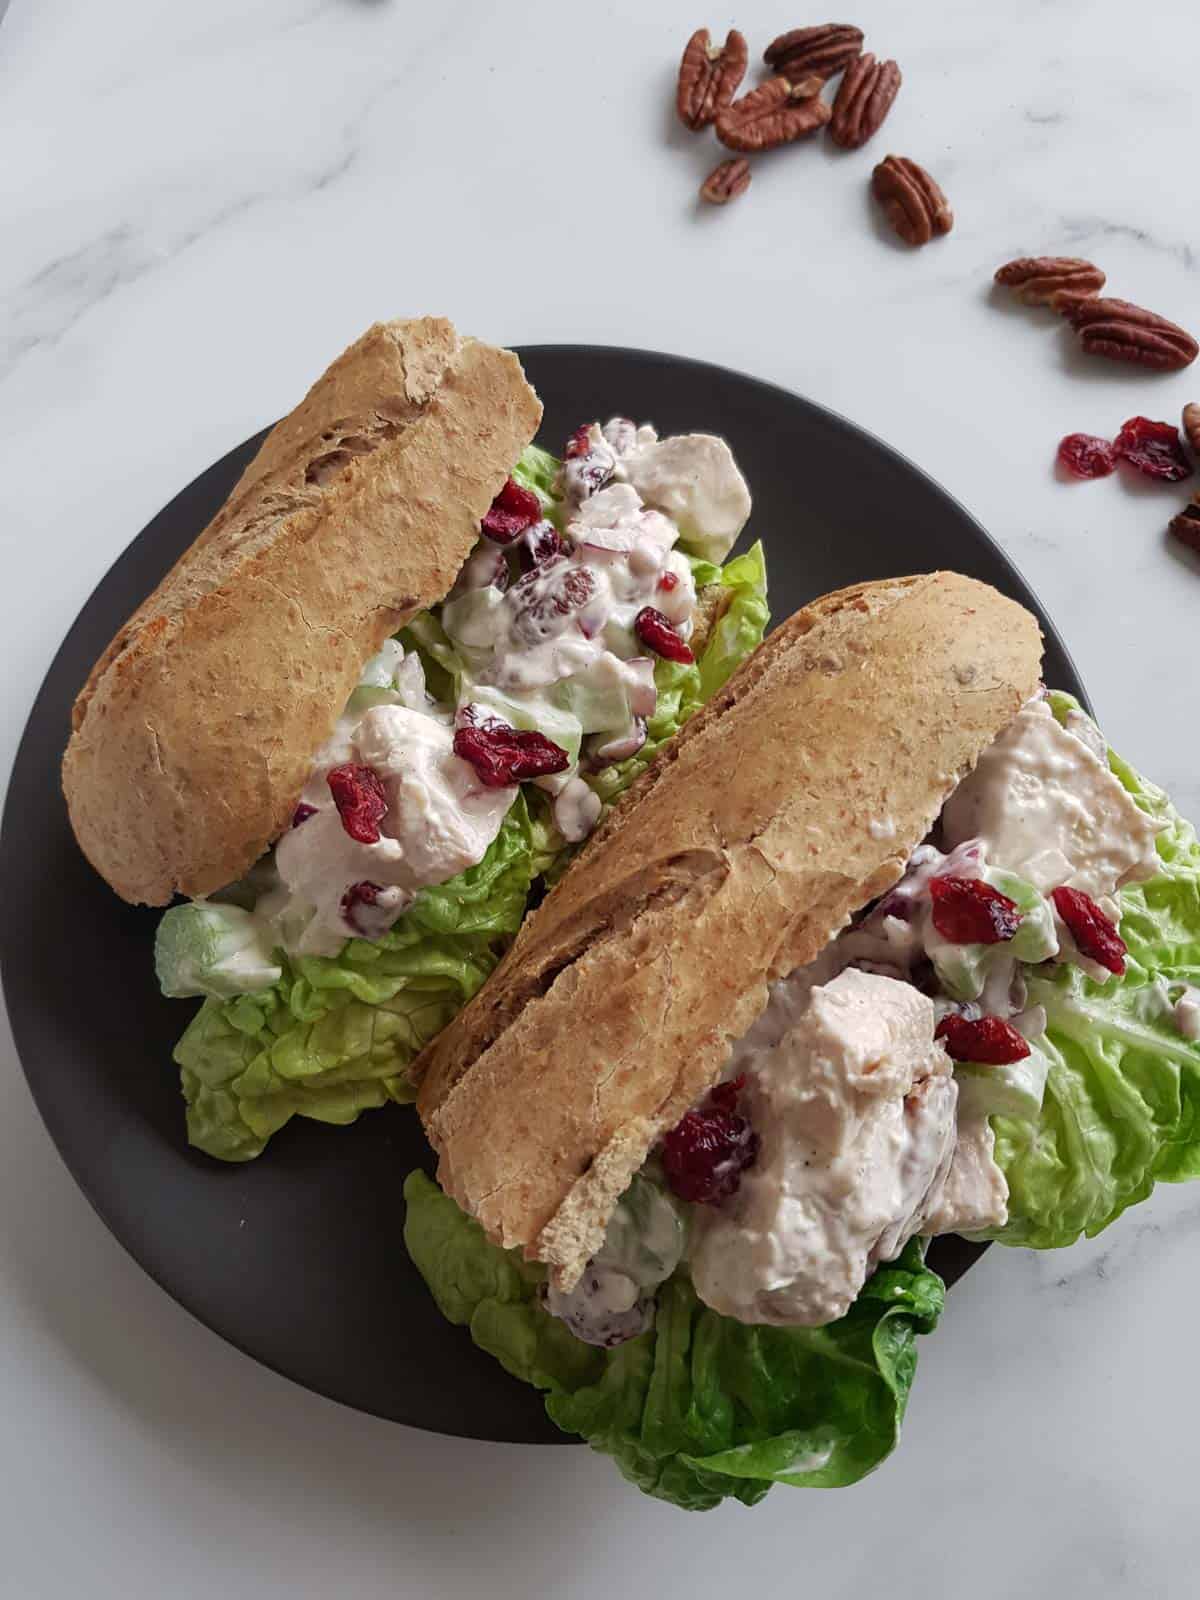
[{"x": 202, "y": 202}]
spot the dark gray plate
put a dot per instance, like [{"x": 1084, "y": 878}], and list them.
[{"x": 297, "y": 1258}]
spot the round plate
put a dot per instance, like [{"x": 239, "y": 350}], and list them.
[{"x": 297, "y": 1258}]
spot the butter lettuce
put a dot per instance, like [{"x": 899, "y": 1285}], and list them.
[
  {"x": 335, "y": 1035},
  {"x": 700, "y": 1408},
  {"x": 538, "y": 470},
  {"x": 1122, "y": 1105}
]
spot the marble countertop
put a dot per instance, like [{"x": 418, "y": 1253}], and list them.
[{"x": 203, "y": 202}]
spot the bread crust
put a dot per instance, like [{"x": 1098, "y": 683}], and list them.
[
  {"x": 195, "y": 732},
  {"x": 789, "y": 802}
]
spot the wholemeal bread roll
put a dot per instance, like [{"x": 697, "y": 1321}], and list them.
[
  {"x": 195, "y": 733},
  {"x": 790, "y": 801}
]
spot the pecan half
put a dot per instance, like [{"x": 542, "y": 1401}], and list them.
[
  {"x": 823, "y": 50},
  {"x": 915, "y": 205},
  {"x": 1037, "y": 279},
  {"x": 726, "y": 182},
  {"x": 773, "y": 114},
  {"x": 709, "y": 76},
  {"x": 1191, "y": 426},
  {"x": 1186, "y": 526},
  {"x": 863, "y": 100},
  {"x": 1125, "y": 332}
]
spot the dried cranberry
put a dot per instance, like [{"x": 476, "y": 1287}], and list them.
[
  {"x": 1095, "y": 935},
  {"x": 657, "y": 634},
  {"x": 302, "y": 813},
  {"x": 706, "y": 1153},
  {"x": 545, "y": 599},
  {"x": 969, "y": 911},
  {"x": 361, "y": 799},
  {"x": 512, "y": 511},
  {"x": 502, "y": 755},
  {"x": 990, "y": 1041},
  {"x": 1087, "y": 456},
  {"x": 1154, "y": 448},
  {"x": 539, "y": 546},
  {"x": 668, "y": 581},
  {"x": 725, "y": 1095},
  {"x": 578, "y": 444}
]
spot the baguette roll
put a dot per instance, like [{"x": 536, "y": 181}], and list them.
[
  {"x": 795, "y": 797},
  {"x": 193, "y": 737}
]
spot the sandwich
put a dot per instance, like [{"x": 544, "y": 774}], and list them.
[
  {"x": 886, "y": 944},
  {"x": 382, "y": 700}
]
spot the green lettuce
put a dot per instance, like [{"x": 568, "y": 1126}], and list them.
[
  {"x": 701, "y": 1407},
  {"x": 538, "y": 470},
  {"x": 335, "y": 1035},
  {"x": 1122, "y": 1104}
]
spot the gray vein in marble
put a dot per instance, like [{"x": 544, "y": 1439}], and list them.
[
  {"x": 61, "y": 294},
  {"x": 1130, "y": 1239},
  {"x": 58, "y": 296},
  {"x": 1081, "y": 230}
]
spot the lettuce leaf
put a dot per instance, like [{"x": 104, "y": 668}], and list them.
[
  {"x": 335, "y": 1035},
  {"x": 1122, "y": 1104},
  {"x": 701, "y": 1407},
  {"x": 538, "y": 470},
  {"x": 683, "y": 688}
]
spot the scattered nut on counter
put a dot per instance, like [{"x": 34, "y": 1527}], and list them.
[
  {"x": 726, "y": 182},
  {"x": 709, "y": 76},
  {"x": 1038, "y": 280},
  {"x": 912, "y": 199}
]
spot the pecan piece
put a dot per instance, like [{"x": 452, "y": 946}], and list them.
[
  {"x": 773, "y": 114},
  {"x": 709, "y": 76},
  {"x": 1191, "y": 426},
  {"x": 1125, "y": 332},
  {"x": 824, "y": 50},
  {"x": 915, "y": 205},
  {"x": 726, "y": 182},
  {"x": 863, "y": 100},
  {"x": 1186, "y": 526},
  {"x": 1037, "y": 279}
]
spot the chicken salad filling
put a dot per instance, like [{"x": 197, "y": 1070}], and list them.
[{"x": 855, "y": 1114}]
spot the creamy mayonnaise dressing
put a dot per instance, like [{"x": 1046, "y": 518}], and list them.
[
  {"x": 854, "y": 1107},
  {"x": 1187, "y": 1013},
  {"x": 613, "y": 1300},
  {"x": 692, "y": 477},
  {"x": 1047, "y": 808},
  {"x": 440, "y": 820}
]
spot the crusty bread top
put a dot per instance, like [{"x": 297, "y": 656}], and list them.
[
  {"x": 790, "y": 801},
  {"x": 195, "y": 732}
]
